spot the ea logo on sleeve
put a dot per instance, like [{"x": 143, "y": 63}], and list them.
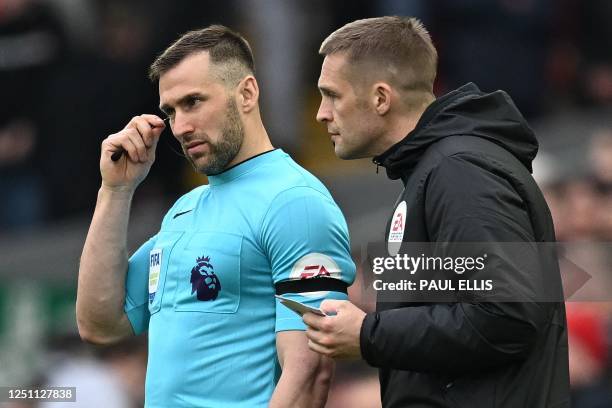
[
  {"x": 315, "y": 265},
  {"x": 396, "y": 229}
]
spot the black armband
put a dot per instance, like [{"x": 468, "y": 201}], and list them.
[{"x": 311, "y": 285}]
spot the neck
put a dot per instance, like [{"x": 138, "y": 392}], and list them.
[
  {"x": 256, "y": 140},
  {"x": 400, "y": 128}
]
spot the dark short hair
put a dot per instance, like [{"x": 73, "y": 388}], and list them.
[
  {"x": 223, "y": 45},
  {"x": 401, "y": 43}
]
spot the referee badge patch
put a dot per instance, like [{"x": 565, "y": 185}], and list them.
[
  {"x": 155, "y": 259},
  {"x": 396, "y": 229},
  {"x": 398, "y": 223}
]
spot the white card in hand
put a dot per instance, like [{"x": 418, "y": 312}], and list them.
[{"x": 298, "y": 307}]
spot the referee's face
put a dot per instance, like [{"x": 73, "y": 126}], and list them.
[
  {"x": 203, "y": 114},
  {"x": 351, "y": 124}
]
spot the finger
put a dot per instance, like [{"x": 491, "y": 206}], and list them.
[
  {"x": 118, "y": 143},
  {"x": 154, "y": 120},
  {"x": 314, "y": 335},
  {"x": 123, "y": 141},
  {"x": 139, "y": 141},
  {"x": 332, "y": 305},
  {"x": 146, "y": 130},
  {"x": 149, "y": 127},
  {"x": 319, "y": 348},
  {"x": 312, "y": 320},
  {"x": 131, "y": 149},
  {"x": 155, "y": 133}
]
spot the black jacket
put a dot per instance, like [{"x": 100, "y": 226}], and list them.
[{"x": 466, "y": 169}]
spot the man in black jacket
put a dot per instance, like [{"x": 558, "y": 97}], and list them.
[{"x": 465, "y": 164}]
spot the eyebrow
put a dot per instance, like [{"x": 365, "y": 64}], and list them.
[
  {"x": 165, "y": 107},
  {"x": 326, "y": 91}
]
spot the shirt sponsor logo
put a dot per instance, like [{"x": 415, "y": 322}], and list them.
[
  {"x": 315, "y": 265},
  {"x": 204, "y": 281},
  {"x": 314, "y": 271}
]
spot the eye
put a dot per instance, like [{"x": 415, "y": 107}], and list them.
[
  {"x": 192, "y": 101},
  {"x": 330, "y": 94}
]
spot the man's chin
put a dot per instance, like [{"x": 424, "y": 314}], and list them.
[
  {"x": 345, "y": 154},
  {"x": 200, "y": 164},
  {"x": 204, "y": 167}
]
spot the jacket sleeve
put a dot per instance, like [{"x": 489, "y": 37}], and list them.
[{"x": 466, "y": 203}]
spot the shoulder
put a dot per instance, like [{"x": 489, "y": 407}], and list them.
[
  {"x": 289, "y": 175},
  {"x": 466, "y": 176},
  {"x": 478, "y": 151},
  {"x": 304, "y": 202},
  {"x": 305, "y": 207},
  {"x": 281, "y": 181}
]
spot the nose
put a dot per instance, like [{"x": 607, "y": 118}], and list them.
[
  {"x": 181, "y": 125},
  {"x": 324, "y": 113}
]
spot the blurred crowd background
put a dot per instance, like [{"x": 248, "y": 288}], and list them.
[{"x": 74, "y": 71}]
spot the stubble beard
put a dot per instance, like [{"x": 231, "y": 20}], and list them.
[{"x": 220, "y": 154}]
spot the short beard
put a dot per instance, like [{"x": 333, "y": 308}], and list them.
[{"x": 223, "y": 152}]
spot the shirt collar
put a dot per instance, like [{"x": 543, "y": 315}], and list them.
[{"x": 244, "y": 167}]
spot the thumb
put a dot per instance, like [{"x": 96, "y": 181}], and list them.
[{"x": 331, "y": 306}]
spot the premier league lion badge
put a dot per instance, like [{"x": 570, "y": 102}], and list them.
[{"x": 204, "y": 280}]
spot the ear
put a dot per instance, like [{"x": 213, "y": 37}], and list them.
[
  {"x": 248, "y": 94},
  {"x": 382, "y": 97}
]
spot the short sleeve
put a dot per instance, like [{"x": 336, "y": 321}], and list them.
[
  {"x": 305, "y": 236},
  {"x": 136, "y": 288}
]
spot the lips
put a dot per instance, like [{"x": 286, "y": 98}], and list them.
[
  {"x": 196, "y": 146},
  {"x": 334, "y": 137},
  {"x": 193, "y": 143}
]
